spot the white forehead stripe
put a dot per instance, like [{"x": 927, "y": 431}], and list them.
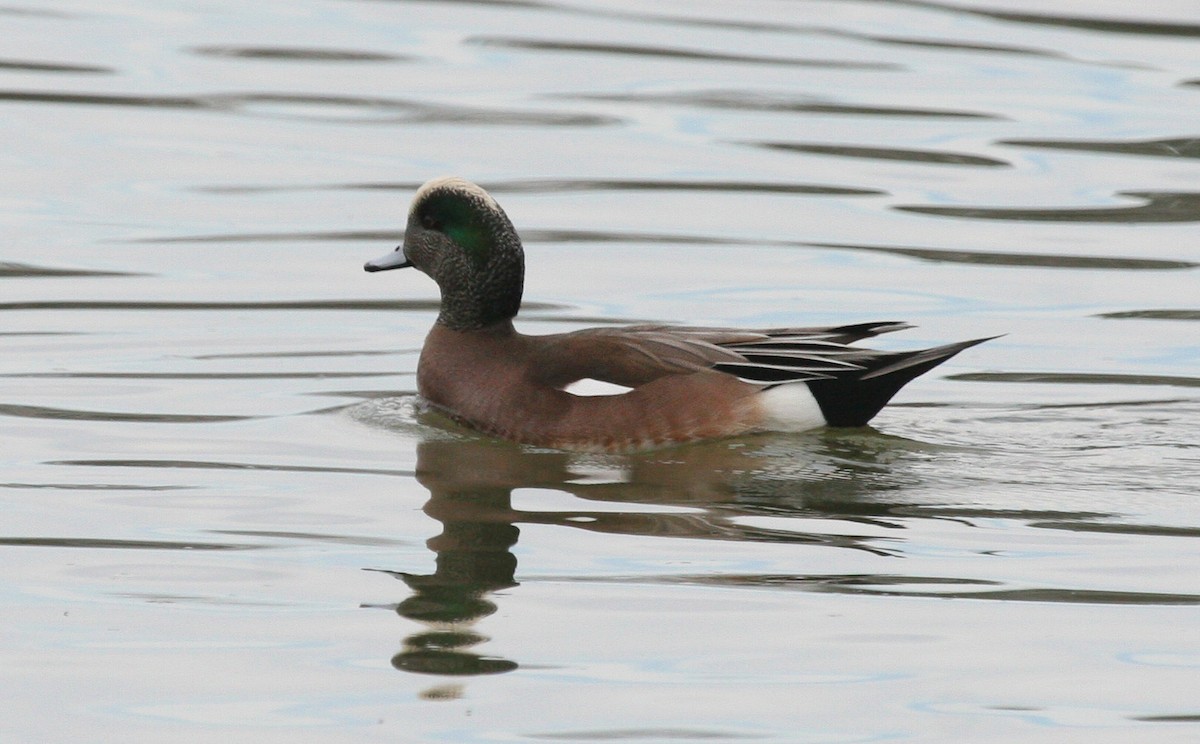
[{"x": 454, "y": 183}]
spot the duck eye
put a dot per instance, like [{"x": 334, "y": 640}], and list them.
[{"x": 429, "y": 222}]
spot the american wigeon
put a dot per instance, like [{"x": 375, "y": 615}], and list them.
[{"x": 668, "y": 384}]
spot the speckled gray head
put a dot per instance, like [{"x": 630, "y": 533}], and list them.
[{"x": 460, "y": 237}]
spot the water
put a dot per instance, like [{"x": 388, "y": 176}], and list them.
[{"x": 222, "y": 519}]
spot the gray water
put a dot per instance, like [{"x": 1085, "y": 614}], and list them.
[{"x": 223, "y": 521}]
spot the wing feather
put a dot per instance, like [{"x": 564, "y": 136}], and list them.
[{"x": 634, "y": 355}]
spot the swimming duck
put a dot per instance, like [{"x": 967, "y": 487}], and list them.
[{"x": 664, "y": 384}]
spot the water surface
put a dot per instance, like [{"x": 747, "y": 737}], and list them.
[{"x": 225, "y": 520}]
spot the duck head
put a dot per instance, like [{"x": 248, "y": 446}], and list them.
[{"x": 461, "y": 238}]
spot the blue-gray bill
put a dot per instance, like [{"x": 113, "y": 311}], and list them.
[{"x": 394, "y": 260}]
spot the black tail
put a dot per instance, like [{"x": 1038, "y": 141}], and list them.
[{"x": 853, "y": 397}]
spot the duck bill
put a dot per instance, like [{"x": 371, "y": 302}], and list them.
[{"x": 394, "y": 260}]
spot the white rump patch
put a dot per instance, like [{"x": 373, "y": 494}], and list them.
[
  {"x": 791, "y": 407},
  {"x": 587, "y": 387}
]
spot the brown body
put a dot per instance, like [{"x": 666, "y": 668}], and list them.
[{"x": 523, "y": 399}]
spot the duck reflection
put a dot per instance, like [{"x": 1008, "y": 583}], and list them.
[
  {"x": 474, "y": 559},
  {"x": 802, "y": 489},
  {"x": 471, "y": 483}
]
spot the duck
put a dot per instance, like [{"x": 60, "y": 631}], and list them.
[{"x": 627, "y": 388}]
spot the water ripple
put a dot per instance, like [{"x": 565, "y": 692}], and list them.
[
  {"x": 605, "y": 236},
  {"x": 296, "y": 54},
  {"x": 995, "y": 258},
  {"x": 740, "y": 24},
  {"x": 1175, "y": 147},
  {"x": 1156, "y": 530},
  {"x": 246, "y": 305},
  {"x": 314, "y": 537},
  {"x": 301, "y": 354},
  {"x": 373, "y": 236},
  {"x": 548, "y": 185},
  {"x": 633, "y": 50},
  {"x": 897, "y": 585},
  {"x": 8, "y": 10},
  {"x": 9, "y": 269},
  {"x": 1159, "y": 206},
  {"x": 20, "y": 65},
  {"x": 884, "y": 153},
  {"x": 560, "y": 185},
  {"x": 325, "y": 108},
  {"x": 102, "y": 544},
  {"x": 193, "y": 375},
  {"x": 1088, "y": 23},
  {"x": 406, "y": 305},
  {"x": 93, "y": 487},
  {"x": 46, "y": 412},
  {"x": 742, "y": 100},
  {"x": 101, "y": 99},
  {"x": 990, "y": 258},
  {"x": 1174, "y": 314},
  {"x": 1077, "y": 378},
  {"x": 672, "y": 733},
  {"x": 949, "y": 45},
  {"x": 206, "y": 465}
]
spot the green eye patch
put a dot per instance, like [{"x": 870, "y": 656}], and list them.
[{"x": 459, "y": 220}]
